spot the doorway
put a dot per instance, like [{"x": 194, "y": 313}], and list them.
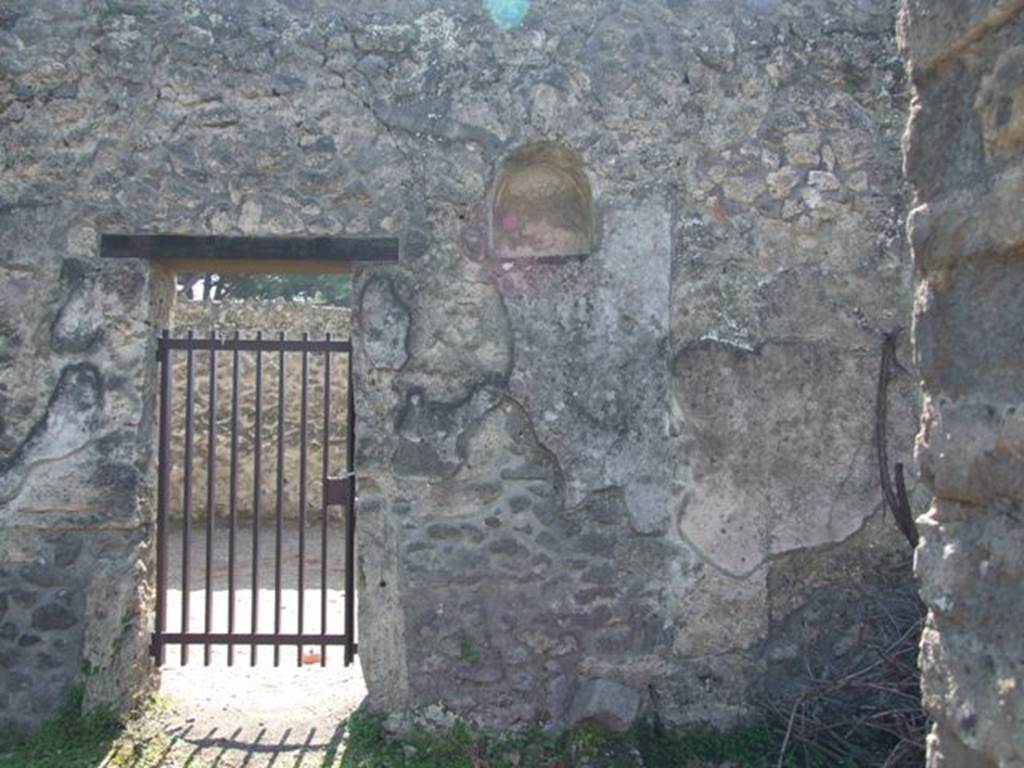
[
  {"x": 255, "y": 612},
  {"x": 255, "y": 624}
]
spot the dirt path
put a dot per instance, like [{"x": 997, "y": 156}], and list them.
[
  {"x": 258, "y": 717},
  {"x": 246, "y": 716}
]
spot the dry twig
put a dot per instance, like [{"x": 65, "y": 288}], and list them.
[{"x": 869, "y": 713}]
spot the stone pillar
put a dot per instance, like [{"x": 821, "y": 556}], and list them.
[{"x": 965, "y": 156}]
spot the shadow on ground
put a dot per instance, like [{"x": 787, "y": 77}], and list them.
[
  {"x": 71, "y": 740},
  {"x": 224, "y": 748}
]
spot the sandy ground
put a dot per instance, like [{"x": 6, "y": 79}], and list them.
[{"x": 262, "y": 715}]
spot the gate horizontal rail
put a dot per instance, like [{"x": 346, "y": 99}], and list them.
[
  {"x": 247, "y": 638},
  {"x": 253, "y": 345},
  {"x": 335, "y": 491}
]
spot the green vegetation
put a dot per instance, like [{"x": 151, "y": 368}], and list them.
[
  {"x": 756, "y": 746},
  {"x": 369, "y": 746},
  {"x": 74, "y": 740},
  {"x": 318, "y": 289},
  {"x": 467, "y": 652},
  {"x": 68, "y": 740},
  {"x": 112, "y": 9}
]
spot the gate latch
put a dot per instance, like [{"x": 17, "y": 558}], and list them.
[{"x": 336, "y": 489}]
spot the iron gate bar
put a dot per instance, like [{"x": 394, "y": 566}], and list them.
[
  {"x": 186, "y": 558},
  {"x": 303, "y": 469},
  {"x": 259, "y": 344},
  {"x": 323, "y": 500},
  {"x": 211, "y": 497},
  {"x": 350, "y": 519},
  {"x": 335, "y": 491},
  {"x": 163, "y": 492},
  {"x": 233, "y": 503},
  {"x": 257, "y": 471},
  {"x": 278, "y": 539}
]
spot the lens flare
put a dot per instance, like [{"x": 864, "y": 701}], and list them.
[{"x": 507, "y": 13}]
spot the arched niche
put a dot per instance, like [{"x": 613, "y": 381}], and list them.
[{"x": 542, "y": 205}]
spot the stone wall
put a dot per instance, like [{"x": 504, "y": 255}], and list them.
[
  {"x": 635, "y": 466},
  {"x": 271, "y": 318},
  {"x": 965, "y": 156},
  {"x": 75, "y": 424}
]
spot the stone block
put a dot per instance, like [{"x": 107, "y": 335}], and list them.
[
  {"x": 53, "y": 616},
  {"x": 970, "y": 564},
  {"x": 968, "y": 346},
  {"x": 969, "y": 225},
  {"x": 606, "y": 703},
  {"x": 41, "y": 574},
  {"x": 931, "y": 33},
  {"x": 79, "y": 323},
  {"x": 385, "y": 321},
  {"x": 973, "y": 451},
  {"x": 67, "y": 550},
  {"x": 1001, "y": 103},
  {"x": 946, "y": 117}
]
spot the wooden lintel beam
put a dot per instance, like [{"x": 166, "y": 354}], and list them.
[{"x": 202, "y": 253}]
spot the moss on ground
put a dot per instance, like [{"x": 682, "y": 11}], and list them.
[
  {"x": 369, "y": 746},
  {"x": 754, "y": 746},
  {"x": 68, "y": 740}
]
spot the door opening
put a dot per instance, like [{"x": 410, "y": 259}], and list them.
[
  {"x": 258, "y": 630},
  {"x": 255, "y": 675}
]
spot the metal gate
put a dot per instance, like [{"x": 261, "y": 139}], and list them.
[{"x": 242, "y": 625}]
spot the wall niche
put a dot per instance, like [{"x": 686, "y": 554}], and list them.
[{"x": 542, "y": 205}]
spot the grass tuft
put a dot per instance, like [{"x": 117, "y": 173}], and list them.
[
  {"x": 754, "y": 746},
  {"x": 70, "y": 739},
  {"x": 370, "y": 746}
]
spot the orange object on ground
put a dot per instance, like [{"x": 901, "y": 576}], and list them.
[{"x": 311, "y": 657}]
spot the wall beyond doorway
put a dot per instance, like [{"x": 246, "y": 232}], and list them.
[{"x": 293, "y": 318}]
